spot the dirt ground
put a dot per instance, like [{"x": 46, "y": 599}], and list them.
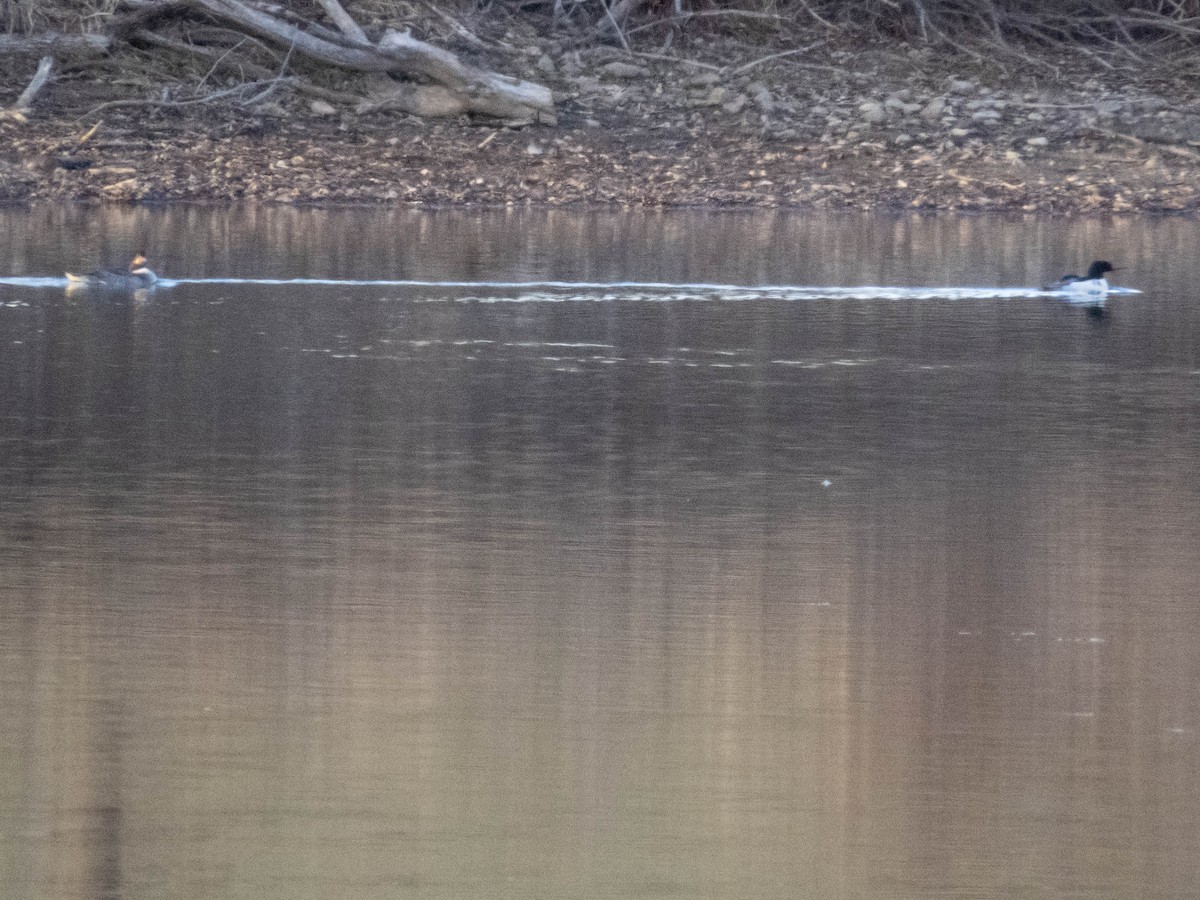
[{"x": 857, "y": 127}]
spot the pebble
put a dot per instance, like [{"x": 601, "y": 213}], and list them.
[
  {"x": 736, "y": 105},
  {"x": 322, "y": 108},
  {"x": 620, "y": 69},
  {"x": 1037, "y": 142},
  {"x": 961, "y": 86},
  {"x": 873, "y": 113},
  {"x": 715, "y": 97},
  {"x": 762, "y": 97},
  {"x": 933, "y": 109}
]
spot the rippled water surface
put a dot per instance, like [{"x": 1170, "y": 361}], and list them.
[{"x": 488, "y": 587}]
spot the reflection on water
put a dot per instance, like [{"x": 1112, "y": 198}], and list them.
[{"x": 312, "y": 591}]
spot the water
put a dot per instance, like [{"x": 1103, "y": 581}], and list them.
[{"x": 450, "y": 590}]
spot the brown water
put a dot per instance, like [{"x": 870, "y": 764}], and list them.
[{"x": 314, "y": 591}]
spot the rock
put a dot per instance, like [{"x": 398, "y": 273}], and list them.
[
  {"x": 961, "y": 86},
  {"x": 737, "y": 104},
  {"x": 873, "y": 113},
  {"x": 619, "y": 69},
  {"x": 1037, "y": 142},
  {"x": 270, "y": 108},
  {"x": 959, "y": 132},
  {"x": 572, "y": 63},
  {"x": 587, "y": 84},
  {"x": 902, "y": 140},
  {"x": 933, "y": 109},
  {"x": 702, "y": 79},
  {"x": 1109, "y": 108},
  {"x": 762, "y": 97},
  {"x": 322, "y": 108},
  {"x": 546, "y": 65},
  {"x": 715, "y": 97},
  {"x": 986, "y": 115}
]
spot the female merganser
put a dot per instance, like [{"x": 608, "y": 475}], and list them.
[
  {"x": 137, "y": 277},
  {"x": 1093, "y": 282}
]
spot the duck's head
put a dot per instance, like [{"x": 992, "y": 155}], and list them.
[
  {"x": 139, "y": 262},
  {"x": 1099, "y": 268}
]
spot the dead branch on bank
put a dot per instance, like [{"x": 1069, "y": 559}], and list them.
[
  {"x": 474, "y": 90},
  {"x": 433, "y": 81},
  {"x": 19, "y": 110},
  {"x": 52, "y": 43}
]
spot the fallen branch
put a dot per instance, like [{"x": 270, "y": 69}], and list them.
[
  {"x": 480, "y": 92},
  {"x": 346, "y": 25},
  {"x": 221, "y": 60},
  {"x": 25, "y": 102},
  {"x": 55, "y": 44}
]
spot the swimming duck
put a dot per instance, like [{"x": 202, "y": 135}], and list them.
[
  {"x": 137, "y": 277},
  {"x": 1093, "y": 282}
]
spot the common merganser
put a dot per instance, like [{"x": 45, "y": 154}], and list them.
[
  {"x": 1093, "y": 282},
  {"x": 137, "y": 277}
]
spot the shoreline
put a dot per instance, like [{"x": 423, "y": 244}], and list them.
[{"x": 896, "y": 130}]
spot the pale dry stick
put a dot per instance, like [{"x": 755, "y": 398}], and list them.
[
  {"x": 462, "y": 30},
  {"x": 616, "y": 27},
  {"x": 812, "y": 12},
  {"x": 266, "y": 92},
  {"x": 220, "y": 60},
  {"x": 343, "y": 21},
  {"x": 766, "y": 59},
  {"x": 171, "y": 104},
  {"x": 25, "y": 101}
]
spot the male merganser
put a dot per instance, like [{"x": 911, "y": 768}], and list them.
[
  {"x": 137, "y": 277},
  {"x": 1093, "y": 282}
]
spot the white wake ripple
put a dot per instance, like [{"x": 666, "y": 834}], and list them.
[{"x": 646, "y": 291}]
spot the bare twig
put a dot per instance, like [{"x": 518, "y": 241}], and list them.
[
  {"x": 343, "y": 21},
  {"x": 172, "y": 104},
  {"x": 25, "y": 101},
  {"x": 615, "y": 26},
  {"x": 244, "y": 67},
  {"x": 766, "y": 59}
]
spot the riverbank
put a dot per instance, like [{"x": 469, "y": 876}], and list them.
[{"x": 866, "y": 126}]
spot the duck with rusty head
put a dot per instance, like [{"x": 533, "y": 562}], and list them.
[{"x": 137, "y": 277}]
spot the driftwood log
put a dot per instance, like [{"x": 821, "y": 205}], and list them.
[
  {"x": 53, "y": 43},
  {"x": 458, "y": 87},
  {"x": 24, "y": 103}
]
